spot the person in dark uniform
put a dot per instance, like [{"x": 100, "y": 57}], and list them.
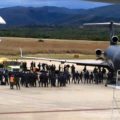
[
  {"x": 91, "y": 80},
  {"x": 31, "y": 65},
  {"x": 6, "y": 78},
  {"x": 41, "y": 79},
  {"x": 43, "y": 66},
  {"x": 81, "y": 77},
  {"x": 68, "y": 77},
  {"x": 39, "y": 66},
  {"x": 53, "y": 79},
  {"x": 0, "y": 78},
  {"x": 64, "y": 79},
  {"x": 26, "y": 79},
  {"x": 17, "y": 81},
  {"x": 87, "y": 76},
  {"x": 45, "y": 79},
  {"x": 77, "y": 77},
  {"x": 72, "y": 69},
  {"x": 96, "y": 77},
  {"x": 22, "y": 82},
  {"x": 59, "y": 68},
  {"x": 84, "y": 75},
  {"x": 73, "y": 78}
]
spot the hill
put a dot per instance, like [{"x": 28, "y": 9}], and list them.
[
  {"x": 22, "y": 16},
  {"x": 51, "y": 16}
]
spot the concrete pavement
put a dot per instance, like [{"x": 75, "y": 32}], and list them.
[{"x": 74, "y": 102}]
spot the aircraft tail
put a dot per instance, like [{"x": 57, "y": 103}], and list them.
[{"x": 110, "y": 25}]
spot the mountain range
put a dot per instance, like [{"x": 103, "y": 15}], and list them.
[{"x": 51, "y": 16}]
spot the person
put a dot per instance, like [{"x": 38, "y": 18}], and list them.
[
  {"x": 53, "y": 79},
  {"x": 45, "y": 79},
  {"x": 68, "y": 77},
  {"x": 12, "y": 82},
  {"x": 109, "y": 78},
  {"x": 96, "y": 78},
  {"x": 100, "y": 75},
  {"x": 73, "y": 69},
  {"x": 61, "y": 80},
  {"x": 77, "y": 77},
  {"x": 26, "y": 79},
  {"x": 84, "y": 76},
  {"x": 80, "y": 77},
  {"x": 73, "y": 78},
  {"x": 59, "y": 68},
  {"x": 91, "y": 78},
  {"x": 0, "y": 78},
  {"x": 43, "y": 66},
  {"x": 31, "y": 65},
  {"x": 6, "y": 78},
  {"x": 87, "y": 76},
  {"x": 39, "y": 66},
  {"x": 41, "y": 80},
  {"x": 17, "y": 81},
  {"x": 84, "y": 69},
  {"x": 3, "y": 80}
]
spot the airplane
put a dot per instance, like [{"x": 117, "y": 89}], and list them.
[
  {"x": 110, "y": 58},
  {"x": 112, "y": 54}
]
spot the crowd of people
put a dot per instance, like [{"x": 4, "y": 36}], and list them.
[{"x": 44, "y": 75}]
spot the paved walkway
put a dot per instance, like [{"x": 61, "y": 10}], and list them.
[{"x": 74, "y": 102}]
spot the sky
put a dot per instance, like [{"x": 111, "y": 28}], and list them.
[{"x": 73, "y": 4}]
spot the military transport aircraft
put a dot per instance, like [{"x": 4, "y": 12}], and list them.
[{"x": 110, "y": 57}]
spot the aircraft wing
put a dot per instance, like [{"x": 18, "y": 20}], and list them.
[
  {"x": 106, "y": 1},
  {"x": 97, "y": 63},
  {"x": 40, "y": 58},
  {"x": 2, "y": 21}
]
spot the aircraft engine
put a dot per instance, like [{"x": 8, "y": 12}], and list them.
[
  {"x": 99, "y": 52},
  {"x": 115, "y": 39}
]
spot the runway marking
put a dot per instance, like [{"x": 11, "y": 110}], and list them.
[{"x": 58, "y": 111}]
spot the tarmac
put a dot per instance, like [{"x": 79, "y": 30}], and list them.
[{"x": 73, "y": 102}]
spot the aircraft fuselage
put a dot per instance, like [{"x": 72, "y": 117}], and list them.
[{"x": 112, "y": 56}]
